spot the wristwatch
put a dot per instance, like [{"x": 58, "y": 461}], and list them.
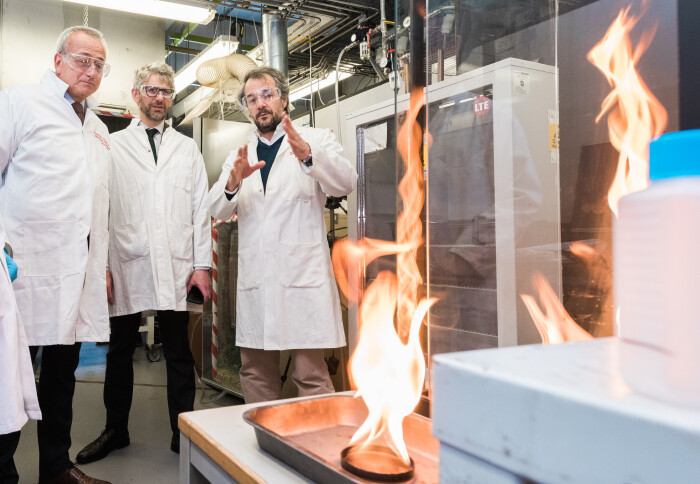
[{"x": 308, "y": 161}]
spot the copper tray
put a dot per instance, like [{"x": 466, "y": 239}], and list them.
[{"x": 309, "y": 435}]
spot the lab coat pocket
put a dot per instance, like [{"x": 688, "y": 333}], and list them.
[
  {"x": 248, "y": 276},
  {"x": 181, "y": 207},
  {"x": 180, "y": 238},
  {"x": 53, "y": 248},
  {"x": 301, "y": 264},
  {"x": 131, "y": 241}
]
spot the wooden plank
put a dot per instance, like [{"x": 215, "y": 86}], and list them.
[{"x": 228, "y": 462}]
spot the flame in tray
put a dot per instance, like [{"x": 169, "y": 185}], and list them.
[{"x": 388, "y": 366}]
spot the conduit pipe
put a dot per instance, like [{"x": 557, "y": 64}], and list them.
[{"x": 337, "y": 97}]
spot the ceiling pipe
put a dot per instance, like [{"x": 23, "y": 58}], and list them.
[{"x": 341, "y": 31}]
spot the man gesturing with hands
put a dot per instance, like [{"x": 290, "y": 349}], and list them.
[{"x": 286, "y": 295}]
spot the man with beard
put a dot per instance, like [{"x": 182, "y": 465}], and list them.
[
  {"x": 159, "y": 248},
  {"x": 287, "y": 298}
]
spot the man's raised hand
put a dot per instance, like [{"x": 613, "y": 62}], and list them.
[{"x": 242, "y": 169}]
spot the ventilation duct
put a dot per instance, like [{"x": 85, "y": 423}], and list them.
[{"x": 275, "y": 50}]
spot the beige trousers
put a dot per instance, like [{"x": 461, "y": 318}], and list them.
[{"x": 261, "y": 379}]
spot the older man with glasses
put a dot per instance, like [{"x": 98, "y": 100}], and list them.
[
  {"x": 160, "y": 249},
  {"x": 54, "y": 157}
]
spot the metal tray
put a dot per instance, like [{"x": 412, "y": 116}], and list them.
[{"x": 309, "y": 435}]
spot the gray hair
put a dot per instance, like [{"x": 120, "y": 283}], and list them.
[
  {"x": 275, "y": 74},
  {"x": 164, "y": 71},
  {"x": 62, "y": 42}
]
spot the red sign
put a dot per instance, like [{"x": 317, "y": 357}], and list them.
[{"x": 481, "y": 106}]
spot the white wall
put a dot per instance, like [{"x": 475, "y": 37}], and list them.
[
  {"x": 28, "y": 33},
  {"x": 217, "y": 140}
]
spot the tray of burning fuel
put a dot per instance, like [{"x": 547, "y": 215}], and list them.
[{"x": 310, "y": 436}]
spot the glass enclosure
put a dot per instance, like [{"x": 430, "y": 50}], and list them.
[
  {"x": 221, "y": 358},
  {"x": 517, "y": 158}
]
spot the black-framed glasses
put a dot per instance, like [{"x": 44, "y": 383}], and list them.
[
  {"x": 153, "y": 91},
  {"x": 261, "y": 95},
  {"x": 83, "y": 63}
]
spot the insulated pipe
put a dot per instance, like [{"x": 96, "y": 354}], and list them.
[
  {"x": 275, "y": 52},
  {"x": 337, "y": 97}
]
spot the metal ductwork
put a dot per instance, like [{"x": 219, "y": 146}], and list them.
[{"x": 275, "y": 50}]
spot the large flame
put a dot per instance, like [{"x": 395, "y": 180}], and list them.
[
  {"x": 554, "y": 324},
  {"x": 387, "y": 372},
  {"x": 635, "y": 115}
]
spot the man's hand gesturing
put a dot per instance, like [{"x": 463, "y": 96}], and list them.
[
  {"x": 300, "y": 148},
  {"x": 241, "y": 169}
]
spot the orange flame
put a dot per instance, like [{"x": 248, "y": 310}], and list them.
[
  {"x": 388, "y": 373},
  {"x": 635, "y": 115},
  {"x": 584, "y": 251},
  {"x": 554, "y": 324}
]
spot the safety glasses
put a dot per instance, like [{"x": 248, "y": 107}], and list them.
[
  {"x": 264, "y": 95},
  {"x": 83, "y": 63}
]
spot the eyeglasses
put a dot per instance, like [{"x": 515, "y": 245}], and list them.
[
  {"x": 83, "y": 63},
  {"x": 153, "y": 91},
  {"x": 264, "y": 95}
]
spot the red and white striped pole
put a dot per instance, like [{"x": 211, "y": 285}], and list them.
[{"x": 214, "y": 303}]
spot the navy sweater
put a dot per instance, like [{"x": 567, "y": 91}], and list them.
[{"x": 267, "y": 154}]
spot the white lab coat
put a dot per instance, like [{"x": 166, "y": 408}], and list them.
[
  {"x": 287, "y": 295},
  {"x": 159, "y": 225},
  {"x": 18, "y": 402},
  {"x": 54, "y": 193}
]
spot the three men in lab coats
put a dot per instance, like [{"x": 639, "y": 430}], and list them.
[
  {"x": 287, "y": 297},
  {"x": 54, "y": 157},
  {"x": 159, "y": 248}
]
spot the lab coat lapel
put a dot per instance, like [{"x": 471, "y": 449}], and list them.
[
  {"x": 255, "y": 178},
  {"x": 142, "y": 148},
  {"x": 165, "y": 150}
]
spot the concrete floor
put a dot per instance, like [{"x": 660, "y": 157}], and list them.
[{"x": 148, "y": 459}]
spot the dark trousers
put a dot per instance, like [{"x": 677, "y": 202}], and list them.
[
  {"x": 119, "y": 377},
  {"x": 8, "y": 446},
  {"x": 55, "y": 391}
]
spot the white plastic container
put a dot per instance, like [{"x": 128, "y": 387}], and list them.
[{"x": 657, "y": 274}]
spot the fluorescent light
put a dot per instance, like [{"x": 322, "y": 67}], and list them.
[
  {"x": 305, "y": 90},
  {"x": 180, "y": 10},
  {"x": 222, "y": 45}
]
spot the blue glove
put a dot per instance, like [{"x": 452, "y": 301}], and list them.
[{"x": 11, "y": 266}]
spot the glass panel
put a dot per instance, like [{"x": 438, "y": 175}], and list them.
[
  {"x": 221, "y": 358},
  {"x": 518, "y": 158},
  {"x": 377, "y": 155},
  {"x": 462, "y": 228}
]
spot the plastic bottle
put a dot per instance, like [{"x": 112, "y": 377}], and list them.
[{"x": 657, "y": 274}]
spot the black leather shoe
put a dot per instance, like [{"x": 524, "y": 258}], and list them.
[
  {"x": 72, "y": 476},
  {"x": 108, "y": 441},
  {"x": 175, "y": 443}
]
